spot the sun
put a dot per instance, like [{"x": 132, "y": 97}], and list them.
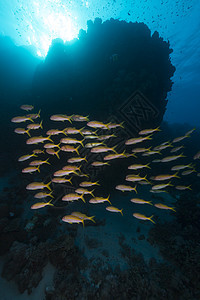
[{"x": 43, "y": 21}]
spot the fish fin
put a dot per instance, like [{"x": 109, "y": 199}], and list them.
[
  {"x": 189, "y": 187},
  {"x": 48, "y": 185},
  {"x": 91, "y": 218},
  {"x": 121, "y": 211},
  {"x": 41, "y": 124},
  {"x": 172, "y": 208},
  {"x": 56, "y": 153},
  {"x": 27, "y": 131},
  {"x": 31, "y": 119},
  {"x": 39, "y": 113},
  {"x": 108, "y": 199},
  {"x": 69, "y": 180},
  {"x": 147, "y": 165},
  {"x": 121, "y": 124},
  {"x": 85, "y": 158},
  {"x": 49, "y": 138},
  {"x": 38, "y": 168},
  {"x": 135, "y": 189},
  {"x": 176, "y": 175},
  {"x": 82, "y": 198},
  {"x": 150, "y": 219},
  {"x": 47, "y": 161}
]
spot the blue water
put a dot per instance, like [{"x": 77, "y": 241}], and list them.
[{"x": 131, "y": 64}]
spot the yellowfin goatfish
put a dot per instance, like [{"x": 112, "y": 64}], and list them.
[
  {"x": 38, "y": 186},
  {"x": 73, "y": 130},
  {"x": 96, "y": 200},
  {"x": 61, "y": 118},
  {"x": 161, "y": 186},
  {"x": 82, "y": 216},
  {"x": 71, "y": 141},
  {"x": 148, "y": 131},
  {"x": 97, "y": 124},
  {"x": 135, "y": 178},
  {"x": 22, "y": 131},
  {"x": 181, "y": 167},
  {"x": 88, "y": 183},
  {"x": 183, "y": 187},
  {"x": 114, "y": 209},
  {"x": 102, "y": 149},
  {"x": 55, "y": 132},
  {"x": 125, "y": 188},
  {"x": 79, "y": 118},
  {"x": 37, "y": 140},
  {"x": 35, "y": 126},
  {"x": 171, "y": 158},
  {"x": 133, "y": 141},
  {"x": 21, "y": 119},
  {"x": 115, "y": 156},
  {"x": 84, "y": 191},
  {"x": 61, "y": 180},
  {"x": 163, "y": 206},
  {"x": 53, "y": 152},
  {"x": 180, "y": 138},
  {"x": 69, "y": 148},
  {"x": 42, "y": 195},
  {"x": 34, "y": 116},
  {"x": 30, "y": 170},
  {"x": 140, "y": 201},
  {"x": 143, "y": 217},
  {"x": 72, "y": 197},
  {"x": 41, "y": 204},
  {"x": 25, "y": 157},
  {"x": 99, "y": 163},
  {"x": 39, "y": 162},
  {"x": 165, "y": 176},
  {"x": 138, "y": 166},
  {"x": 76, "y": 159},
  {"x": 27, "y": 107},
  {"x": 72, "y": 219}
]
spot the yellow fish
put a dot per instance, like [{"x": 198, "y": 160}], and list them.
[
  {"x": 99, "y": 200},
  {"x": 41, "y": 204},
  {"x": 148, "y": 131},
  {"x": 125, "y": 188},
  {"x": 114, "y": 209},
  {"x": 38, "y": 186},
  {"x": 97, "y": 124},
  {"x": 61, "y": 180},
  {"x": 143, "y": 217},
  {"x": 72, "y": 219},
  {"x": 34, "y": 116},
  {"x": 27, "y": 107},
  {"x": 102, "y": 149},
  {"x": 140, "y": 201},
  {"x": 163, "y": 206},
  {"x": 165, "y": 176},
  {"x": 37, "y": 140},
  {"x": 88, "y": 183},
  {"x": 135, "y": 178},
  {"x": 61, "y": 118},
  {"x": 35, "y": 126},
  {"x": 82, "y": 216},
  {"x": 42, "y": 195},
  {"x": 51, "y": 151},
  {"x": 171, "y": 158},
  {"x": 72, "y": 197},
  {"x": 161, "y": 186},
  {"x": 22, "y": 131},
  {"x": 39, "y": 162},
  {"x": 138, "y": 166},
  {"x": 21, "y": 119},
  {"x": 76, "y": 159},
  {"x": 31, "y": 169},
  {"x": 84, "y": 191},
  {"x": 69, "y": 148},
  {"x": 133, "y": 141},
  {"x": 183, "y": 187},
  {"x": 55, "y": 132},
  {"x": 25, "y": 157}
]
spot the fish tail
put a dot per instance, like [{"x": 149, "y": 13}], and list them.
[
  {"x": 51, "y": 195},
  {"x": 81, "y": 130},
  {"x": 182, "y": 155},
  {"x": 31, "y": 119},
  {"x": 76, "y": 149},
  {"x": 107, "y": 125},
  {"x": 49, "y": 138},
  {"x": 176, "y": 175},
  {"x": 81, "y": 142},
  {"x": 70, "y": 119},
  {"x": 149, "y": 137},
  {"x": 113, "y": 148},
  {"x": 147, "y": 165},
  {"x": 58, "y": 146},
  {"x": 48, "y": 185},
  {"x": 121, "y": 211},
  {"x": 82, "y": 198},
  {"x": 172, "y": 208},
  {"x": 91, "y": 218},
  {"x": 46, "y": 161},
  {"x": 83, "y": 223},
  {"x": 121, "y": 124},
  {"x": 85, "y": 159},
  {"x": 39, "y": 113},
  {"x": 189, "y": 187},
  {"x": 157, "y": 128},
  {"x": 108, "y": 199},
  {"x": 56, "y": 153},
  {"x": 150, "y": 219},
  {"x": 87, "y": 118},
  {"x": 150, "y": 202},
  {"x": 97, "y": 183},
  {"x": 27, "y": 131},
  {"x": 38, "y": 168},
  {"x": 70, "y": 180},
  {"x": 135, "y": 189},
  {"x": 41, "y": 124},
  {"x": 91, "y": 193}
]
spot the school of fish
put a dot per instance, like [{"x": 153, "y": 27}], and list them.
[{"x": 68, "y": 143}]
